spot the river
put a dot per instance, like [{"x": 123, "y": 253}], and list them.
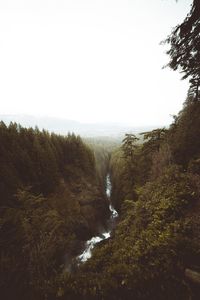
[{"x": 90, "y": 244}]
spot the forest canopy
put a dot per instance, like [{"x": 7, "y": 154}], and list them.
[{"x": 53, "y": 200}]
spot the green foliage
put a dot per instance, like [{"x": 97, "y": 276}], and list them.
[
  {"x": 129, "y": 145},
  {"x": 37, "y": 159},
  {"x": 153, "y": 139},
  {"x": 52, "y": 197},
  {"x": 153, "y": 242},
  {"x": 102, "y": 149},
  {"x": 29, "y": 262},
  {"x": 185, "y": 51},
  {"x": 184, "y": 134},
  {"x": 121, "y": 175},
  {"x": 155, "y": 187},
  {"x": 158, "y": 233},
  {"x": 51, "y": 201}
]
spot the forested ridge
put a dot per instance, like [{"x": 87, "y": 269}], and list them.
[
  {"x": 156, "y": 241},
  {"x": 53, "y": 199}
]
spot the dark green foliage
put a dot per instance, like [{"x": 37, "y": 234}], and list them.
[
  {"x": 129, "y": 145},
  {"x": 123, "y": 166},
  {"x": 185, "y": 48},
  {"x": 37, "y": 159},
  {"x": 153, "y": 139},
  {"x": 184, "y": 133},
  {"x": 156, "y": 190},
  {"x": 123, "y": 186},
  {"x": 52, "y": 198},
  {"x": 153, "y": 243},
  {"x": 51, "y": 201},
  {"x": 157, "y": 237},
  {"x": 33, "y": 237},
  {"x": 102, "y": 149}
]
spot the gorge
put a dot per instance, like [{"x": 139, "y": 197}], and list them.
[{"x": 90, "y": 244}]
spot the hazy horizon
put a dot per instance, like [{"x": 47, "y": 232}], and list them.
[
  {"x": 85, "y": 130},
  {"x": 99, "y": 122},
  {"x": 90, "y": 61}
]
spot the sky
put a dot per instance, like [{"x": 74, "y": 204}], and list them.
[{"x": 90, "y": 60}]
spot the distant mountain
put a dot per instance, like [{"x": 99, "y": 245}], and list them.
[{"x": 64, "y": 126}]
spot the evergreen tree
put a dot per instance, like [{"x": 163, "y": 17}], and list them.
[{"x": 185, "y": 48}]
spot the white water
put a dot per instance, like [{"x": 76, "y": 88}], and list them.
[{"x": 90, "y": 244}]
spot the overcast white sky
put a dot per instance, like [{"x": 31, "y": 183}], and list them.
[{"x": 90, "y": 60}]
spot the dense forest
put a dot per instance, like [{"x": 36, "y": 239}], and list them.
[
  {"x": 53, "y": 199},
  {"x": 157, "y": 240}
]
